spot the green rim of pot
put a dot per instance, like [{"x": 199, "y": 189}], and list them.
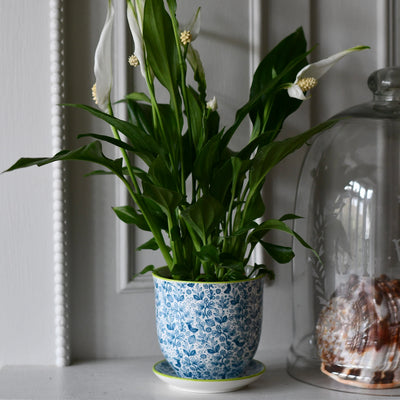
[{"x": 163, "y": 271}]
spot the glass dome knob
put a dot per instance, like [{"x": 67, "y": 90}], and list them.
[{"x": 385, "y": 84}]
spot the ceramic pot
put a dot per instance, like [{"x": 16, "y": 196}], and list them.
[{"x": 208, "y": 330}]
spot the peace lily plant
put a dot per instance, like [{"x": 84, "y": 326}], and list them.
[{"x": 200, "y": 200}]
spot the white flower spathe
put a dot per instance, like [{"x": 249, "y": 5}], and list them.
[
  {"x": 212, "y": 104},
  {"x": 309, "y": 75},
  {"x": 135, "y": 14},
  {"x": 193, "y": 26},
  {"x": 103, "y": 62}
]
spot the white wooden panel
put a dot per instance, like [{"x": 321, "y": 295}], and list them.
[{"x": 26, "y": 240}]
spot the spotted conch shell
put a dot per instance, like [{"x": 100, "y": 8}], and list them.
[{"x": 358, "y": 333}]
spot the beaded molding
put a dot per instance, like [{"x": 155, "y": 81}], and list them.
[
  {"x": 62, "y": 346},
  {"x": 255, "y": 57}
]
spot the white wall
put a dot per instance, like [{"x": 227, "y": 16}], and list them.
[
  {"x": 105, "y": 323},
  {"x": 333, "y": 26},
  {"x": 26, "y": 250}
]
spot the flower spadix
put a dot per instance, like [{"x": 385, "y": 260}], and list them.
[
  {"x": 103, "y": 63},
  {"x": 191, "y": 30},
  {"x": 135, "y": 14},
  {"x": 308, "y": 77}
]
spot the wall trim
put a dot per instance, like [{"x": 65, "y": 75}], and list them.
[
  {"x": 393, "y": 28},
  {"x": 386, "y": 15},
  {"x": 255, "y": 39},
  {"x": 125, "y": 234},
  {"x": 255, "y": 57},
  {"x": 61, "y": 310}
]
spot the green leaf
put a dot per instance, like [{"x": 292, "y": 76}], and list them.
[
  {"x": 209, "y": 253},
  {"x": 158, "y": 215},
  {"x": 262, "y": 269},
  {"x": 234, "y": 268},
  {"x": 91, "y": 152},
  {"x": 145, "y": 270},
  {"x": 172, "y": 5},
  {"x": 158, "y": 35},
  {"x": 221, "y": 181},
  {"x": 196, "y": 119},
  {"x": 188, "y": 154},
  {"x": 206, "y": 161},
  {"x": 160, "y": 175},
  {"x": 248, "y": 226},
  {"x": 239, "y": 171},
  {"x": 171, "y": 133},
  {"x": 138, "y": 172},
  {"x": 281, "y": 254},
  {"x": 138, "y": 96},
  {"x": 141, "y": 115},
  {"x": 228, "y": 260},
  {"x": 27, "y": 162},
  {"x": 108, "y": 139},
  {"x": 266, "y": 226},
  {"x": 167, "y": 199},
  {"x": 270, "y": 155},
  {"x": 255, "y": 208},
  {"x": 144, "y": 145},
  {"x": 203, "y": 216},
  {"x": 211, "y": 124},
  {"x": 270, "y": 89},
  {"x": 149, "y": 245},
  {"x": 129, "y": 215},
  {"x": 181, "y": 272},
  {"x": 260, "y": 141},
  {"x": 98, "y": 172},
  {"x": 272, "y": 66},
  {"x": 193, "y": 57},
  {"x": 289, "y": 216}
]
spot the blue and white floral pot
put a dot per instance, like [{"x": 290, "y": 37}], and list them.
[{"x": 208, "y": 330}]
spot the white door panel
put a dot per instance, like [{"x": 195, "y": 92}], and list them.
[{"x": 106, "y": 321}]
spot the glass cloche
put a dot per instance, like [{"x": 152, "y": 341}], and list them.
[{"x": 346, "y": 300}]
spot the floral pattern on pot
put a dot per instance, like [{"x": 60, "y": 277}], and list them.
[{"x": 208, "y": 330}]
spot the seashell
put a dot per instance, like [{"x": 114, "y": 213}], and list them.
[{"x": 358, "y": 333}]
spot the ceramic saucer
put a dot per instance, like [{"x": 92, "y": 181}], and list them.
[{"x": 165, "y": 372}]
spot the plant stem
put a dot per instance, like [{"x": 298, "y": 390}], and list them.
[
  {"x": 146, "y": 214},
  {"x": 157, "y": 120},
  {"x": 228, "y": 226},
  {"x": 182, "y": 66},
  {"x": 124, "y": 154}
]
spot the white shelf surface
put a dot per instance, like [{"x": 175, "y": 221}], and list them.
[{"x": 133, "y": 379}]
